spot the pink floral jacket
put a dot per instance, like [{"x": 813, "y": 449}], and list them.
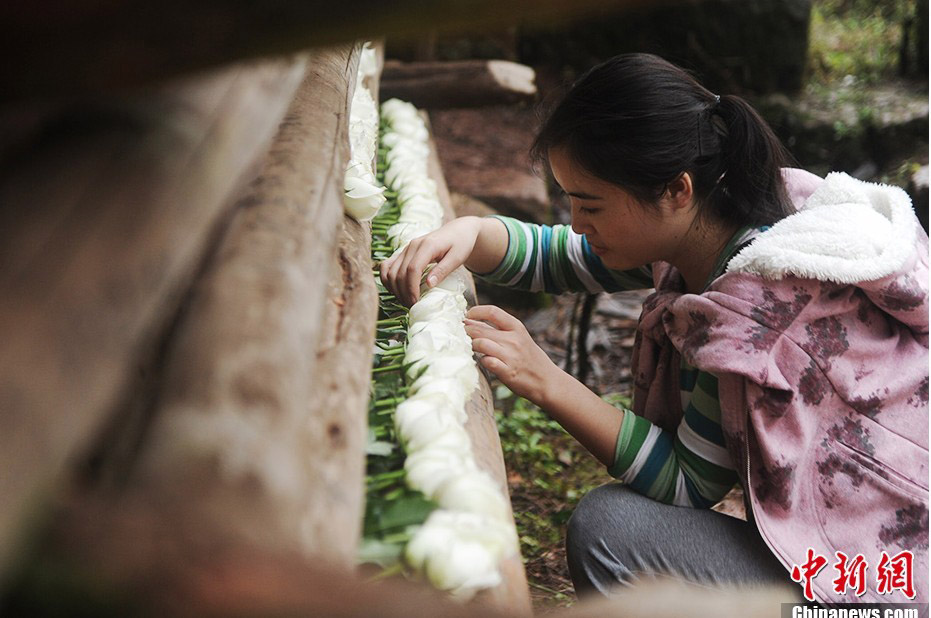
[{"x": 818, "y": 334}]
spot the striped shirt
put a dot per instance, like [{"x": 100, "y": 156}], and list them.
[{"x": 691, "y": 467}]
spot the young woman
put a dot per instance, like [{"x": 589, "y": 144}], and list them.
[{"x": 785, "y": 347}]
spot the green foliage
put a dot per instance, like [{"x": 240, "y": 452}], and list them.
[
  {"x": 549, "y": 472},
  {"x": 856, "y": 37}
]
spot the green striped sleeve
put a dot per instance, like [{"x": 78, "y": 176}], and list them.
[
  {"x": 688, "y": 468},
  {"x": 554, "y": 259}
]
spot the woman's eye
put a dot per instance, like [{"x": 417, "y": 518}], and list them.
[{"x": 587, "y": 211}]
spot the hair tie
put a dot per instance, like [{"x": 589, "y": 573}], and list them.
[{"x": 717, "y": 99}]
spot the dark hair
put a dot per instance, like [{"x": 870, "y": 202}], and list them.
[{"x": 639, "y": 121}]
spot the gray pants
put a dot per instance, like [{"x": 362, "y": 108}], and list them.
[{"x": 617, "y": 535}]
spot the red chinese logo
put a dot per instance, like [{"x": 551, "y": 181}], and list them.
[
  {"x": 808, "y": 570},
  {"x": 895, "y": 573},
  {"x": 852, "y": 576}
]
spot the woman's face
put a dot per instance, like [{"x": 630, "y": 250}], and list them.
[{"x": 622, "y": 231}]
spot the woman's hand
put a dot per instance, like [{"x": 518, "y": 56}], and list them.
[
  {"x": 510, "y": 353},
  {"x": 450, "y": 247}
]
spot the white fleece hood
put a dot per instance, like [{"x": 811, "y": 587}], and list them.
[{"x": 847, "y": 231}]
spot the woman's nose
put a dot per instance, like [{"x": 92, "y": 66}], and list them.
[{"x": 578, "y": 225}]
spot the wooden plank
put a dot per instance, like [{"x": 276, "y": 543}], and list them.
[
  {"x": 262, "y": 413},
  {"x": 167, "y": 570},
  {"x": 104, "y": 222},
  {"x": 453, "y": 84},
  {"x": 81, "y": 46},
  {"x": 512, "y": 596}
]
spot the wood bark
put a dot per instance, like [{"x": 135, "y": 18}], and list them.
[
  {"x": 512, "y": 596},
  {"x": 106, "y": 218},
  {"x": 80, "y": 46},
  {"x": 261, "y": 420},
  {"x": 166, "y": 570},
  {"x": 469, "y": 83}
]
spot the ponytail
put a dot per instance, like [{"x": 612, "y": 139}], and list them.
[
  {"x": 752, "y": 187},
  {"x": 639, "y": 122}
]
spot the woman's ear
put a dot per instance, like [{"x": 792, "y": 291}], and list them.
[{"x": 679, "y": 191}]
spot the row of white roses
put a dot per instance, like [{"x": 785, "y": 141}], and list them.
[
  {"x": 363, "y": 195},
  {"x": 461, "y": 544}
]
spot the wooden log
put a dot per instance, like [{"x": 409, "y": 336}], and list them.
[
  {"x": 149, "y": 565},
  {"x": 468, "y": 83},
  {"x": 75, "y": 46},
  {"x": 261, "y": 421},
  {"x": 512, "y": 596},
  {"x": 105, "y": 221}
]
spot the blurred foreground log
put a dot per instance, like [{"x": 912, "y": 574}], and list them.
[
  {"x": 143, "y": 567},
  {"x": 105, "y": 219},
  {"x": 468, "y": 83},
  {"x": 78, "y": 46},
  {"x": 259, "y": 422}
]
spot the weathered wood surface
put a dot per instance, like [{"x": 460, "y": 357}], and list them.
[
  {"x": 170, "y": 570},
  {"x": 512, "y": 596},
  {"x": 105, "y": 219},
  {"x": 74, "y": 46},
  {"x": 262, "y": 414},
  {"x": 467, "y": 83}
]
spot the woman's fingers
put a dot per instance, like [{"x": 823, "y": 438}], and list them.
[
  {"x": 494, "y": 365},
  {"x": 495, "y": 316},
  {"x": 444, "y": 267},
  {"x": 476, "y": 329},
  {"x": 488, "y": 347}
]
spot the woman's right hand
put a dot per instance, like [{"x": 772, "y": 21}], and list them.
[{"x": 450, "y": 247}]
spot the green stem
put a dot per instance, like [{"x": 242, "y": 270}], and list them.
[
  {"x": 394, "y": 474},
  {"x": 391, "y": 571},
  {"x": 388, "y": 368}
]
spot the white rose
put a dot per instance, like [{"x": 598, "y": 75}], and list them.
[
  {"x": 413, "y": 408},
  {"x": 473, "y": 492},
  {"x": 437, "y": 432},
  {"x": 431, "y": 221},
  {"x": 408, "y": 149},
  {"x": 368, "y": 60},
  {"x": 429, "y": 343},
  {"x": 427, "y": 468},
  {"x": 456, "y": 366},
  {"x": 425, "y": 187},
  {"x": 396, "y": 108},
  {"x": 445, "y": 366},
  {"x": 450, "y": 387},
  {"x": 460, "y": 552},
  {"x": 397, "y": 176},
  {"x": 438, "y": 302},
  {"x": 402, "y": 233},
  {"x": 418, "y": 201},
  {"x": 413, "y": 129},
  {"x": 362, "y": 199},
  {"x": 499, "y": 537},
  {"x": 390, "y": 139},
  {"x": 462, "y": 567},
  {"x": 425, "y": 540},
  {"x": 418, "y": 428},
  {"x": 448, "y": 402},
  {"x": 454, "y": 283}
]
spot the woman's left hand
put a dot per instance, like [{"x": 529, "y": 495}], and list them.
[{"x": 509, "y": 352}]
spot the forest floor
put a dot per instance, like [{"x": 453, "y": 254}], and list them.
[{"x": 548, "y": 470}]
